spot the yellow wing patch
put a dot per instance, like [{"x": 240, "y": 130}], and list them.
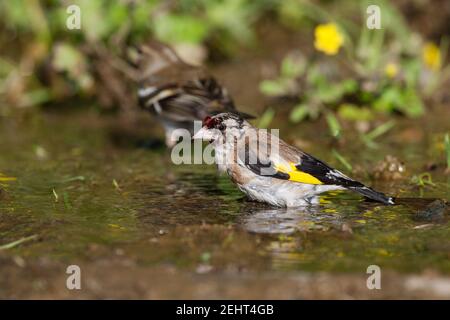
[{"x": 297, "y": 175}]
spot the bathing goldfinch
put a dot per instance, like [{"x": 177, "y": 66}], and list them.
[
  {"x": 269, "y": 170},
  {"x": 176, "y": 92}
]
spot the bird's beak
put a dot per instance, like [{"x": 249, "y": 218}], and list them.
[
  {"x": 201, "y": 134},
  {"x": 205, "y": 134}
]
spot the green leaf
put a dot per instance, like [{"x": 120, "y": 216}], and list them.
[
  {"x": 205, "y": 257},
  {"x": 354, "y": 113},
  {"x": 180, "y": 29},
  {"x": 292, "y": 68},
  {"x": 17, "y": 242},
  {"x": 233, "y": 16},
  {"x": 299, "y": 113},
  {"x": 369, "y": 143},
  {"x": 93, "y": 21},
  {"x": 272, "y": 88},
  {"x": 291, "y": 13},
  {"x": 349, "y": 86},
  {"x": 380, "y": 130},
  {"x": 141, "y": 14},
  {"x": 15, "y": 14},
  {"x": 389, "y": 100},
  {"x": 66, "y": 57},
  {"x": 334, "y": 92},
  {"x": 66, "y": 200},
  {"x": 333, "y": 125},
  {"x": 423, "y": 180},
  {"x": 412, "y": 104},
  {"x": 342, "y": 160},
  {"x": 447, "y": 149},
  {"x": 369, "y": 138},
  {"x": 266, "y": 118},
  {"x": 35, "y": 97},
  {"x": 330, "y": 93},
  {"x": 411, "y": 70}
]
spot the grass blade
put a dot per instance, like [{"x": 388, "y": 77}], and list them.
[
  {"x": 266, "y": 118},
  {"x": 333, "y": 125},
  {"x": 380, "y": 130},
  {"x": 447, "y": 149},
  {"x": 342, "y": 160},
  {"x": 17, "y": 242}
]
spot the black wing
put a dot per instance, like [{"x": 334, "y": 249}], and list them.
[
  {"x": 330, "y": 176},
  {"x": 310, "y": 166}
]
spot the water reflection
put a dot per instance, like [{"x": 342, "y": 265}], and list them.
[
  {"x": 333, "y": 211},
  {"x": 289, "y": 220}
]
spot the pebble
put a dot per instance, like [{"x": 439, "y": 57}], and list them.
[{"x": 432, "y": 212}]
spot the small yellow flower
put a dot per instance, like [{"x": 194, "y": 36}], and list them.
[
  {"x": 391, "y": 70},
  {"x": 431, "y": 56},
  {"x": 328, "y": 38}
]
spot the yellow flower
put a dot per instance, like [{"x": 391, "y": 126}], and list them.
[
  {"x": 431, "y": 56},
  {"x": 328, "y": 38},
  {"x": 391, "y": 70}
]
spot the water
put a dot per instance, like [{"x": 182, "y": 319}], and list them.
[{"x": 85, "y": 197}]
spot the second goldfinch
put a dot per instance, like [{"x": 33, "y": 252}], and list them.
[
  {"x": 176, "y": 92},
  {"x": 269, "y": 170}
]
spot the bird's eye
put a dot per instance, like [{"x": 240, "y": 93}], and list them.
[
  {"x": 213, "y": 123},
  {"x": 208, "y": 122}
]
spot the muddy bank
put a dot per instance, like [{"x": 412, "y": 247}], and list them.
[{"x": 121, "y": 279}]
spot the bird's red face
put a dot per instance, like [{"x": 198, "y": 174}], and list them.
[
  {"x": 213, "y": 123},
  {"x": 210, "y": 129},
  {"x": 209, "y": 122}
]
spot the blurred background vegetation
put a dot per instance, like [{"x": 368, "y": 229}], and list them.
[
  {"x": 335, "y": 67},
  {"x": 45, "y": 62}
]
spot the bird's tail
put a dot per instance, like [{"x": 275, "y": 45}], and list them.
[{"x": 372, "y": 194}]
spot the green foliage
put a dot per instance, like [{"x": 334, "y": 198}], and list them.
[
  {"x": 107, "y": 27},
  {"x": 291, "y": 68},
  {"x": 377, "y": 71},
  {"x": 333, "y": 125},
  {"x": 342, "y": 160},
  {"x": 17, "y": 242},
  {"x": 369, "y": 138},
  {"x": 180, "y": 28},
  {"x": 352, "y": 112},
  {"x": 272, "y": 88},
  {"x": 232, "y": 16},
  {"x": 299, "y": 113},
  {"x": 447, "y": 149},
  {"x": 266, "y": 118},
  {"x": 353, "y": 87},
  {"x": 423, "y": 180}
]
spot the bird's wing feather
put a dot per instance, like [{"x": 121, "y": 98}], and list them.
[
  {"x": 289, "y": 163},
  {"x": 294, "y": 165},
  {"x": 259, "y": 155},
  {"x": 178, "y": 91}
]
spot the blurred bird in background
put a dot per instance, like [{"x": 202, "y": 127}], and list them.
[{"x": 176, "y": 92}]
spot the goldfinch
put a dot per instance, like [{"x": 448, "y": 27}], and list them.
[
  {"x": 269, "y": 170},
  {"x": 176, "y": 92}
]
